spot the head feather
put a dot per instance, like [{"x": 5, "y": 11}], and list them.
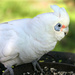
[
  {"x": 61, "y": 13},
  {"x": 58, "y": 11}
]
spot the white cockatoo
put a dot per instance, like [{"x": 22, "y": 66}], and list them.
[{"x": 26, "y": 40}]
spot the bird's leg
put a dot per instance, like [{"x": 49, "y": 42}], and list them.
[
  {"x": 35, "y": 65},
  {"x": 9, "y": 69}
]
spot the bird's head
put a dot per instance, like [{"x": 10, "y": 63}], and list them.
[
  {"x": 56, "y": 23},
  {"x": 61, "y": 22}
]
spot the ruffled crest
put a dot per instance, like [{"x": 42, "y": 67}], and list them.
[{"x": 60, "y": 12}]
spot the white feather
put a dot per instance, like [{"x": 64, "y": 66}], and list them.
[{"x": 56, "y": 9}]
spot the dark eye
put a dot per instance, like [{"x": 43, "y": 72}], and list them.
[{"x": 57, "y": 27}]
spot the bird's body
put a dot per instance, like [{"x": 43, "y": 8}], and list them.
[
  {"x": 25, "y": 40},
  {"x": 18, "y": 46}
]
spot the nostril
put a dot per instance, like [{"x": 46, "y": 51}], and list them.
[{"x": 65, "y": 33}]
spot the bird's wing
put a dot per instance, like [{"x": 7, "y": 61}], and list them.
[{"x": 10, "y": 33}]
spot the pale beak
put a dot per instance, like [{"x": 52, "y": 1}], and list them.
[{"x": 65, "y": 30}]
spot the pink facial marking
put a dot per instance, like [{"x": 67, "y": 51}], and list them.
[{"x": 63, "y": 26}]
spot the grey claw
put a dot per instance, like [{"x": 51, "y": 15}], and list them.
[
  {"x": 9, "y": 69},
  {"x": 35, "y": 65}
]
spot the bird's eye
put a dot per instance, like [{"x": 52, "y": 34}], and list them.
[{"x": 57, "y": 27}]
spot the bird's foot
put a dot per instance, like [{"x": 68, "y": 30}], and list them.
[
  {"x": 9, "y": 69},
  {"x": 36, "y": 65}
]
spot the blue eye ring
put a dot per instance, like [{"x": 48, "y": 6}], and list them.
[{"x": 57, "y": 27}]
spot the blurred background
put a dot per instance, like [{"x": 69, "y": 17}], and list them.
[{"x": 19, "y": 9}]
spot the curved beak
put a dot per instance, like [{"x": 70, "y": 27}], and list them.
[{"x": 65, "y": 30}]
